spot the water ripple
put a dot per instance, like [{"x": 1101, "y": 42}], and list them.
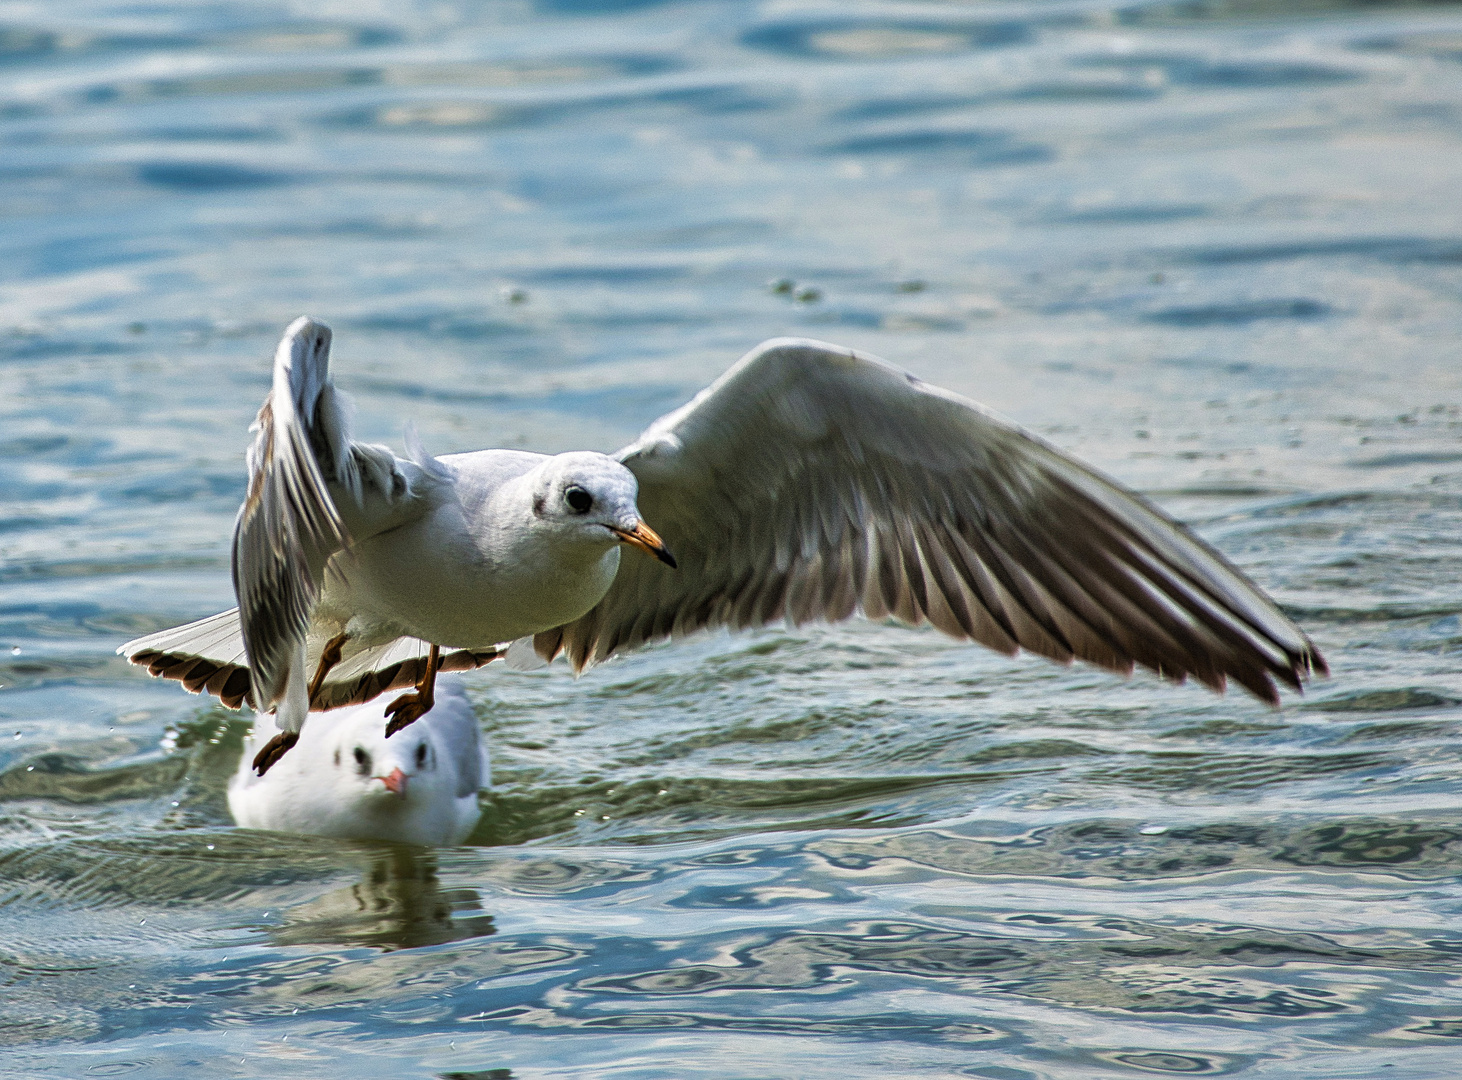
[{"x": 1212, "y": 247}]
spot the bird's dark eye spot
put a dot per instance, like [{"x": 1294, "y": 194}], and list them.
[
  {"x": 421, "y": 756},
  {"x": 362, "y": 760},
  {"x": 579, "y": 500}
]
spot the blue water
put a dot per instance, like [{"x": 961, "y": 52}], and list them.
[{"x": 1213, "y": 247}]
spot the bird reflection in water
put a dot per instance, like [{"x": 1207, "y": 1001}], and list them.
[{"x": 398, "y": 904}]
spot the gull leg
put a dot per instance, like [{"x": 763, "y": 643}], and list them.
[
  {"x": 408, "y": 708},
  {"x": 328, "y": 659},
  {"x": 290, "y": 714},
  {"x": 273, "y": 750}
]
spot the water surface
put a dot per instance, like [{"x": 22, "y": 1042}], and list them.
[{"x": 1214, "y": 248}]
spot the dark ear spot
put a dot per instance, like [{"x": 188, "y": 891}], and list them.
[{"x": 538, "y": 505}]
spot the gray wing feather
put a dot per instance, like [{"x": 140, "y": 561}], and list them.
[
  {"x": 288, "y": 526},
  {"x": 217, "y": 637},
  {"x": 312, "y": 490},
  {"x": 370, "y": 672},
  {"x": 206, "y": 656},
  {"x": 813, "y": 482}
]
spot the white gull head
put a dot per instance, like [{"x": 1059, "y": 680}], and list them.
[
  {"x": 588, "y": 499},
  {"x": 346, "y": 779}
]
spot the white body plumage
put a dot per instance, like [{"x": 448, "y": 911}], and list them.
[{"x": 346, "y": 779}]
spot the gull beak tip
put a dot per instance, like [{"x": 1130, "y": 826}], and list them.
[{"x": 647, "y": 540}]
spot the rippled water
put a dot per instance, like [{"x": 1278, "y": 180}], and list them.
[{"x": 1214, "y": 247}]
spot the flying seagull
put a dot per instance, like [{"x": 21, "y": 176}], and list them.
[{"x": 808, "y": 482}]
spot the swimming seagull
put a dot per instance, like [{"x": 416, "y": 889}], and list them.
[
  {"x": 807, "y": 482},
  {"x": 345, "y": 778}
]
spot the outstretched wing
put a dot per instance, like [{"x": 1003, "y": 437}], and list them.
[
  {"x": 812, "y": 482},
  {"x": 288, "y": 527},
  {"x": 312, "y": 489}
]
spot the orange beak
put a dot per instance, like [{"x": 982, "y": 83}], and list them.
[
  {"x": 395, "y": 782},
  {"x": 647, "y": 540}
]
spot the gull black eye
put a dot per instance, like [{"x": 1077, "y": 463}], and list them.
[
  {"x": 421, "y": 756},
  {"x": 362, "y": 760},
  {"x": 579, "y": 500}
]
